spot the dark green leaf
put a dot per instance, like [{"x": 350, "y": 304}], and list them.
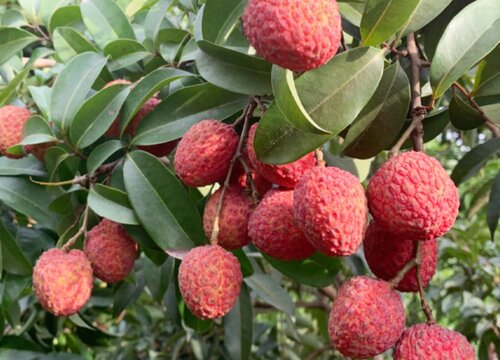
[
  {"x": 13, "y": 259},
  {"x": 127, "y": 294},
  {"x": 68, "y": 16},
  {"x": 37, "y": 131},
  {"x": 28, "y": 166},
  {"x": 125, "y": 52},
  {"x": 12, "y": 41},
  {"x": 424, "y": 12},
  {"x": 220, "y": 19},
  {"x": 492, "y": 112},
  {"x": 154, "y": 19},
  {"x": 112, "y": 204},
  {"x": 238, "y": 327},
  {"x": 69, "y": 43},
  {"x": 271, "y": 292},
  {"x": 463, "y": 116},
  {"x": 487, "y": 81},
  {"x": 10, "y": 89},
  {"x": 473, "y": 161},
  {"x": 493, "y": 211},
  {"x": 102, "y": 153}
]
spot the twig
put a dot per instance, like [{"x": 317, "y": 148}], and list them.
[
  {"x": 425, "y": 306},
  {"x": 316, "y": 353},
  {"x": 320, "y": 160},
  {"x": 409, "y": 265},
  {"x": 82, "y": 231},
  {"x": 40, "y": 63},
  {"x": 342, "y": 42},
  {"x": 248, "y": 172},
  {"x": 330, "y": 292}
]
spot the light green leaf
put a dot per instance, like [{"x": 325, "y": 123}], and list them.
[
  {"x": 112, "y": 204},
  {"x": 12, "y": 41},
  {"x": 487, "y": 81},
  {"x": 69, "y": 43},
  {"x": 423, "y": 13},
  {"x": 37, "y": 131},
  {"x": 28, "y": 166},
  {"x": 474, "y": 160}
]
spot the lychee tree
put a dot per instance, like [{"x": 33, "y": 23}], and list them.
[{"x": 260, "y": 179}]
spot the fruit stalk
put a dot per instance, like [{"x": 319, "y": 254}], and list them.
[{"x": 82, "y": 231}]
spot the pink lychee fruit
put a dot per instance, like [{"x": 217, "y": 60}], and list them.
[
  {"x": 62, "y": 281},
  {"x": 411, "y": 194},
  {"x": 111, "y": 251},
  {"x": 210, "y": 281},
  {"x": 12, "y": 121},
  {"x": 367, "y": 318}
]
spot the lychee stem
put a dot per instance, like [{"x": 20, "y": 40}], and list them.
[
  {"x": 320, "y": 160},
  {"x": 248, "y": 172},
  {"x": 82, "y": 231},
  {"x": 247, "y": 115}
]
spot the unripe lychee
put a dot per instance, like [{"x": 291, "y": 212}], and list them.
[
  {"x": 424, "y": 341},
  {"x": 272, "y": 228},
  {"x": 330, "y": 208},
  {"x": 62, "y": 281},
  {"x": 287, "y": 175},
  {"x": 210, "y": 281},
  {"x": 411, "y": 194},
  {"x": 205, "y": 152},
  {"x": 111, "y": 251},
  {"x": 12, "y": 120},
  {"x": 295, "y": 34},
  {"x": 233, "y": 219},
  {"x": 367, "y": 318},
  {"x": 387, "y": 253}
]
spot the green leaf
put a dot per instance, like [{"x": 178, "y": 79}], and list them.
[
  {"x": 48, "y": 7},
  {"x": 492, "y": 111},
  {"x": 382, "y": 118},
  {"x": 41, "y": 97},
  {"x": 12, "y": 41},
  {"x": 124, "y": 52},
  {"x": 13, "y": 18},
  {"x": 161, "y": 203},
  {"x": 423, "y": 13},
  {"x": 493, "y": 211},
  {"x": 463, "y": 116},
  {"x": 29, "y": 199},
  {"x": 287, "y": 99},
  {"x": 271, "y": 292},
  {"x": 146, "y": 88},
  {"x": 487, "y": 81},
  {"x": 112, "y": 204},
  {"x": 67, "y": 16},
  {"x": 127, "y": 294},
  {"x": 105, "y": 21},
  {"x": 220, "y": 19},
  {"x": 184, "y": 108},
  {"x": 383, "y": 18},
  {"x": 460, "y": 48},
  {"x": 69, "y": 43},
  {"x": 37, "y": 131},
  {"x": 474, "y": 160},
  {"x": 232, "y": 70},
  {"x": 97, "y": 114},
  {"x": 154, "y": 19},
  {"x": 102, "y": 153},
  {"x": 13, "y": 259},
  {"x": 171, "y": 43},
  {"x": 72, "y": 86},
  {"x": 28, "y": 166},
  {"x": 238, "y": 327}
]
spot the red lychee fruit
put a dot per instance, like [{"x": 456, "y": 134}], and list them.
[
  {"x": 261, "y": 184},
  {"x": 62, "y": 281},
  {"x": 330, "y": 208},
  {"x": 424, "y": 341},
  {"x": 295, "y": 34},
  {"x": 387, "y": 253},
  {"x": 411, "y": 194},
  {"x": 210, "y": 281},
  {"x": 287, "y": 175},
  {"x": 12, "y": 120},
  {"x": 367, "y": 318},
  {"x": 111, "y": 251},
  {"x": 272, "y": 228},
  {"x": 233, "y": 219},
  {"x": 204, "y": 153}
]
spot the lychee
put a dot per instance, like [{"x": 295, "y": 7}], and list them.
[
  {"x": 233, "y": 219},
  {"x": 367, "y": 318},
  {"x": 272, "y": 228},
  {"x": 387, "y": 253},
  {"x": 287, "y": 175},
  {"x": 62, "y": 281},
  {"x": 426, "y": 341},
  {"x": 295, "y": 34},
  {"x": 111, "y": 251},
  {"x": 210, "y": 281},
  {"x": 411, "y": 194},
  {"x": 12, "y": 120},
  {"x": 204, "y": 153},
  {"x": 330, "y": 208},
  {"x": 261, "y": 184}
]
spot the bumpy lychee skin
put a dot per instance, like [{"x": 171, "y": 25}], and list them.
[
  {"x": 233, "y": 219},
  {"x": 204, "y": 153},
  {"x": 423, "y": 341},
  {"x": 330, "y": 208},
  {"x": 287, "y": 175},
  {"x": 210, "y": 281},
  {"x": 367, "y": 318},
  {"x": 387, "y": 253},
  {"x": 62, "y": 281},
  {"x": 295, "y": 34},
  {"x": 12, "y": 120},
  {"x": 111, "y": 251},
  {"x": 272, "y": 228},
  {"x": 412, "y": 195}
]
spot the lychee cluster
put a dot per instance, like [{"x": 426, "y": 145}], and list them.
[{"x": 63, "y": 280}]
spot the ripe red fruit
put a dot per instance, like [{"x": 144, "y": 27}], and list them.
[
  {"x": 62, "y": 281},
  {"x": 287, "y": 175},
  {"x": 367, "y": 318},
  {"x": 412, "y": 195},
  {"x": 12, "y": 120},
  {"x": 111, "y": 251},
  {"x": 295, "y": 34},
  {"x": 204, "y": 153},
  {"x": 387, "y": 253},
  {"x": 424, "y": 341},
  {"x": 330, "y": 208},
  {"x": 210, "y": 281},
  {"x": 233, "y": 220},
  {"x": 272, "y": 228}
]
